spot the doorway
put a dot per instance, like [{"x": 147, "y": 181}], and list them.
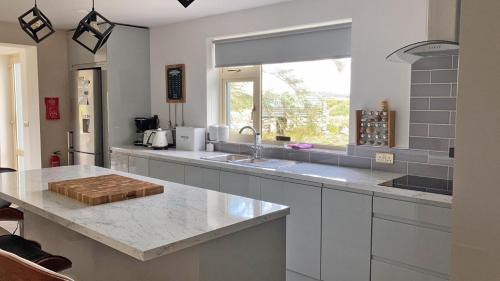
[{"x": 19, "y": 108}]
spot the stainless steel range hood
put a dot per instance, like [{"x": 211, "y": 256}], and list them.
[
  {"x": 432, "y": 48},
  {"x": 443, "y": 28}
]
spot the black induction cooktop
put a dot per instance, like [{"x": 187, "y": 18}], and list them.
[{"x": 431, "y": 185}]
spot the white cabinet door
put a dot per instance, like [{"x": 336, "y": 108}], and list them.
[
  {"x": 138, "y": 166},
  {"x": 119, "y": 162},
  {"x": 421, "y": 247},
  {"x": 166, "y": 171},
  {"x": 303, "y": 225},
  {"x": 239, "y": 184},
  {"x": 202, "y": 177},
  {"x": 346, "y": 247},
  {"x": 382, "y": 271}
]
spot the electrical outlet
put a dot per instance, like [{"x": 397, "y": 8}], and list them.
[{"x": 385, "y": 158}]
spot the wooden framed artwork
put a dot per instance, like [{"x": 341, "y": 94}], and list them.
[{"x": 175, "y": 79}]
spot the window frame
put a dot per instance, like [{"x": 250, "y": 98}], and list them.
[
  {"x": 254, "y": 74},
  {"x": 242, "y": 74}
]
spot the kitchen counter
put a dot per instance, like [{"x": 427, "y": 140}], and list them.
[
  {"x": 143, "y": 228},
  {"x": 344, "y": 178}
]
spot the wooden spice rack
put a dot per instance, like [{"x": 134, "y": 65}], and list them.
[{"x": 376, "y": 128}]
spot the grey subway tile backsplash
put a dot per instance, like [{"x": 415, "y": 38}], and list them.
[
  {"x": 326, "y": 158},
  {"x": 453, "y": 116},
  {"x": 355, "y": 162},
  {"x": 440, "y": 114},
  {"x": 435, "y": 144},
  {"x": 440, "y": 158},
  {"x": 274, "y": 152},
  {"x": 450, "y": 173},
  {"x": 409, "y": 155},
  {"x": 419, "y": 130},
  {"x": 298, "y": 155},
  {"x": 431, "y": 90},
  {"x": 424, "y": 170},
  {"x": 419, "y": 103},
  {"x": 433, "y": 63},
  {"x": 455, "y": 62},
  {"x": 442, "y": 131},
  {"x": 430, "y": 117},
  {"x": 418, "y": 77},
  {"x": 454, "y": 90},
  {"x": 444, "y": 76},
  {"x": 369, "y": 152},
  {"x": 443, "y": 104},
  {"x": 397, "y": 167},
  {"x": 231, "y": 147}
]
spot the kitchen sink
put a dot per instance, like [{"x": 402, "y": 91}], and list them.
[
  {"x": 248, "y": 161},
  {"x": 228, "y": 158}
]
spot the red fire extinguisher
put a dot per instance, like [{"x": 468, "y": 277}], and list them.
[{"x": 55, "y": 160}]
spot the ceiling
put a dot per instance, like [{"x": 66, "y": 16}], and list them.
[{"x": 65, "y": 14}]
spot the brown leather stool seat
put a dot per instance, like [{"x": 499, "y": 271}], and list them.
[{"x": 32, "y": 251}]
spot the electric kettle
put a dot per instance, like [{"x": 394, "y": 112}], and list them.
[
  {"x": 148, "y": 138},
  {"x": 160, "y": 139}
]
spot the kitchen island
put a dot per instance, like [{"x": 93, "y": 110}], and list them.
[{"x": 186, "y": 233}]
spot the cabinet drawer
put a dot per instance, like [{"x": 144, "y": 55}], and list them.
[
  {"x": 202, "y": 177},
  {"x": 421, "y": 247},
  {"x": 412, "y": 212},
  {"x": 166, "y": 171},
  {"x": 382, "y": 271},
  {"x": 138, "y": 166}
]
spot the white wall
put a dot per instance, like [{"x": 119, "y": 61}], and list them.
[
  {"x": 476, "y": 208},
  {"x": 53, "y": 82},
  {"x": 379, "y": 27}
]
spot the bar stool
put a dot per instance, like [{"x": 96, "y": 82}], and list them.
[
  {"x": 15, "y": 268},
  {"x": 32, "y": 251},
  {"x": 8, "y": 213}
]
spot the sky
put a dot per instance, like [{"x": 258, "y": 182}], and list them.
[{"x": 319, "y": 76}]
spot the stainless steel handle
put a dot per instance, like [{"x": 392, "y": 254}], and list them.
[{"x": 70, "y": 140}]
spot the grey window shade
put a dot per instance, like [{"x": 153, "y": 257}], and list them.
[{"x": 324, "y": 42}]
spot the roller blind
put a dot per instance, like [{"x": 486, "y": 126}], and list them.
[{"x": 333, "y": 41}]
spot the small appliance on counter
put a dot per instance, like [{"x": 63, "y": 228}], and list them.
[
  {"x": 143, "y": 124},
  {"x": 190, "y": 139},
  {"x": 161, "y": 139},
  {"x": 218, "y": 133}
]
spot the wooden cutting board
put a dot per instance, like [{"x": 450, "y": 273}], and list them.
[{"x": 105, "y": 189}]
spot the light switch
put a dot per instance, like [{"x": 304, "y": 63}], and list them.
[{"x": 385, "y": 158}]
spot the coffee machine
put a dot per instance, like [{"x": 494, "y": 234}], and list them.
[{"x": 143, "y": 124}]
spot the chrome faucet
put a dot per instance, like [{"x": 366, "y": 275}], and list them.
[{"x": 256, "y": 143}]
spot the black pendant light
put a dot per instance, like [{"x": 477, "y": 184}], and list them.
[
  {"x": 36, "y": 24},
  {"x": 91, "y": 34},
  {"x": 186, "y": 3}
]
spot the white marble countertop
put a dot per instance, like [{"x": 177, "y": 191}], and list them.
[
  {"x": 344, "y": 178},
  {"x": 144, "y": 228}
]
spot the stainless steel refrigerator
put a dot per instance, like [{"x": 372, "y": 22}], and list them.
[{"x": 85, "y": 138}]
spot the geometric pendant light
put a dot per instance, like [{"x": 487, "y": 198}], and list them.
[
  {"x": 91, "y": 34},
  {"x": 36, "y": 24},
  {"x": 186, "y": 3}
]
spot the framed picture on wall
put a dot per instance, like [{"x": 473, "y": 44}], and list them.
[{"x": 175, "y": 76}]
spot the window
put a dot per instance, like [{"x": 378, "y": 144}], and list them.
[{"x": 306, "y": 101}]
